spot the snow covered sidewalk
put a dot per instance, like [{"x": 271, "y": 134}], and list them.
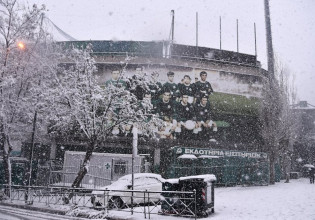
[{"x": 294, "y": 200}]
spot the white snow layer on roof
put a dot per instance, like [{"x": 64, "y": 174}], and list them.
[
  {"x": 187, "y": 156},
  {"x": 205, "y": 177},
  {"x": 124, "y": 181},
  {"x": 207, "y": 156},
  {"x": 172, "y": 181},
  {"x": 138, "y": 175},
  {"x": 99, "y": 154}
]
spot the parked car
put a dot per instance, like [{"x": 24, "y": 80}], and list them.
[{"x": 119, "y": 193}]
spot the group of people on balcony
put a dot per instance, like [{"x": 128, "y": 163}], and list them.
[{"x": 184, "y": 106}]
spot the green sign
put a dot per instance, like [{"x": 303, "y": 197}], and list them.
[
  {"x": 220, "y": 153},
  {"x": 107, "y": 166}
]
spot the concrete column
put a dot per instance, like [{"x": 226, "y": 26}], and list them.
[
  {"x": 53, "y": 148},
  {"x": 157, "y": 156}
]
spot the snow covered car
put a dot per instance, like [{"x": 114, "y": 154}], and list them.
[{"x": 119, "y": 193}]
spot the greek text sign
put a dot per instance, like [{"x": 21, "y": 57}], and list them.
[{"x": 220, "y": 153}]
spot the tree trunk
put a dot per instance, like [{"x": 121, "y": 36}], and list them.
[
  {"x": 83, "y": 169},
  {"x": 6, "y": 164},
  {"x": 272, "y": 173},
  {"x": 287, "y": 167},
  {"x": 6, "y": 167}
]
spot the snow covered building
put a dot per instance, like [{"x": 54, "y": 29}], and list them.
[
  {"x": 304, "y": 147},
  {"x": 236, "y": 80}
]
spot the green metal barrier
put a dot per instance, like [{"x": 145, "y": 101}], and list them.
[{"x": 230, "y": 170}]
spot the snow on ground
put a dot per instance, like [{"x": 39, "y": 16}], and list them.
[{"x": 294, "y": 200}]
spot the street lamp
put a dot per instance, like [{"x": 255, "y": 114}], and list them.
[{"x": 21, "y": 45}]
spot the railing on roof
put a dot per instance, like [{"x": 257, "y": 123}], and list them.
[{"x": 160, "y": 49}]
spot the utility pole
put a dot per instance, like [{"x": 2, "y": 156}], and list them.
[{"x": 270, "y": 55}]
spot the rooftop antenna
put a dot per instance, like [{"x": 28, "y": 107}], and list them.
[
  {"x": 220, "y": 35},
  {"x": 173, "y": 16},
  {"x": 168, "y": 47},
  {"x": 237, "y": 35},
  {"x": 196, "y": 33},
  {"x": 255, "y": 40}
]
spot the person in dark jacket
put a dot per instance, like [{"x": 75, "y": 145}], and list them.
[
  {"x": 155, "y": 87},
  {"x": 165, "y": 106},
  {"x": 171, "y": 86},
  {"x": 204, "y": 118},
  {"x": 203, "y": 87},
  {"x": 185, "y": 118},
  {"x": 187, "y": 88},
  {"x": 165, "y": 109}
]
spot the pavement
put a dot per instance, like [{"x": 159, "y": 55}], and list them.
[
  {"x": 82, "y": 215},
  {"x": 34, "y": 208}
]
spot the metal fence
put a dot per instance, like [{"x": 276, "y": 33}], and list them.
[{"x": 148, "y": 203}]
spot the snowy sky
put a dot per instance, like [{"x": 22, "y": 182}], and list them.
[{"x": 293, "y": 26}]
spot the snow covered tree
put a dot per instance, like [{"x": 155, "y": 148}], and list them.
[
  {"x": 29, "y": 60},
  {"x": 278, "y": 123},
  {"x": 291, "y": 121},
  {"x": 93, "y": 110},
  {"x": 19, "y": 35}
]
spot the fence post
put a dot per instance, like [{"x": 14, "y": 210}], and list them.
[
  {"x": 103, "y": 202},
  {"x": 94, "y": 181},
  {"x": 84, "y": 194},
  {"x": 195, "y": 198},
  {"x": 49, "y": 175},
  {"x": 149, "y": 205},
  {"x": 145, "y": 215},
  {"x": 105, "y": 198},
  {"x": 47, "y": 196},
  {"x": 32, "y": 197},
  {"x": 10, "y": 191}
]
